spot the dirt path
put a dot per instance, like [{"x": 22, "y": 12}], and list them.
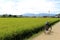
[{"x": 55, "y": 35}]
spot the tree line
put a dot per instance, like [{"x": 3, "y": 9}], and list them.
[
  {"x": 21, "y": 16},
  {"x": 5, "y": 15},
  {"x": 15, "y": 16}
]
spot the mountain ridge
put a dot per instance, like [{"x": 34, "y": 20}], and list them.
[{"x": 40, "y": 14}]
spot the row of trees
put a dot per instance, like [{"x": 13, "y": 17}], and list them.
[
  {"x": 16, "y": 16},
  {"x": 5, "y": 15}
]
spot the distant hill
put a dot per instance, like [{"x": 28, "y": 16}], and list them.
[
  {"x": 40, "y": 14},
  {"x": 28, "y": 14}
]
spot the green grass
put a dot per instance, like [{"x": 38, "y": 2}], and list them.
[{"x": 9, "y": 27}]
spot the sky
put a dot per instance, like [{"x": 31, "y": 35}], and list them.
[{"x": 18, "y": 7}]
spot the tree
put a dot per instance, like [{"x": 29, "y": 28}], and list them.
[
  {"x": 14, "y": 15},
  {"x": 4, "y": 15},
  {"x": 10, "y": 15}
]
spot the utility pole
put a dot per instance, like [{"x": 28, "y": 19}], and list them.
[{"x": 49, "y": 13}]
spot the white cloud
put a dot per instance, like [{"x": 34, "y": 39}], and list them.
[{"x": 26, "y": 6}]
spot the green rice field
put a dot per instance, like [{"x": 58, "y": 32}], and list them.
[{"x": 10, "y": 27}]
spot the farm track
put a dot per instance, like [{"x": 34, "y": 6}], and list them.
[{"x": 54, "y": 35}]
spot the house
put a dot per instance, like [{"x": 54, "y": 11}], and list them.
[{"x": 58, "y": 16}]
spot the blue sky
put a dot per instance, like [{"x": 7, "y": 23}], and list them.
[{"x": 17, "y": 7}]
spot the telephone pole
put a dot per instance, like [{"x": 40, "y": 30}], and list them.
[{"x": 49, "y": 13}]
